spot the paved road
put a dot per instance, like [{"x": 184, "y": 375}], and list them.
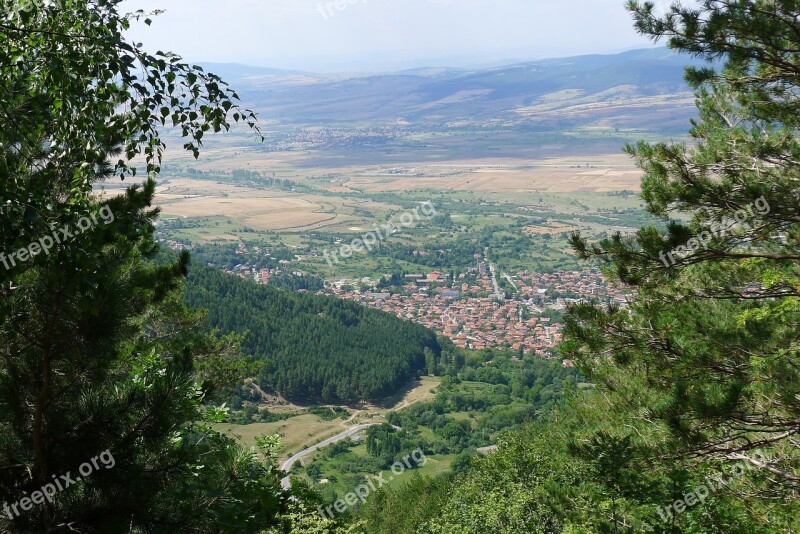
[
  {"x": 497, "y": 294},
  {"x": 510, "y": 281},
  {"x": 287, "y": 465}
]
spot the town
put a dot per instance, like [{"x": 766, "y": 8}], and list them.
[
  {"x": 471, "y": 314},
  {"x": 522, "y": 312}
]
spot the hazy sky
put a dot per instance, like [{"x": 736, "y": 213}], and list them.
[{"x": 385, "y": 34}]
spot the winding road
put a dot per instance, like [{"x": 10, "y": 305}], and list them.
[{"x": 288, "y": 464}]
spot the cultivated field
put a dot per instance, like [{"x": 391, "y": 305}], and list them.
[
  {"x": 264, "y": 209},
  {"x": 260, "y": 213},
  {"x": 607, "y": 175}
]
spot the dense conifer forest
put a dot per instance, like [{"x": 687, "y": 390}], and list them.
[{"x": 315, "y": 348}]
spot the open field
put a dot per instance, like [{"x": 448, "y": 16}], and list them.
[
  {"x": 435, "y": 465},
  {"x": 535, "y": 177},
  {"x": 303, "y": 431},
  {"x": 350, "y": 200},
  {"x": 266, "y": 210},
  {"x": 420, "y": 391},
  {"x": 261, "y": 213},
  {"x": 263, "y": 210},
  {"x": 296, "y": 433},
  {"x": 506, "y": 214},
  {"x": 552, "y": 227},
  {"x": 604, "y": 172},
  {"x": 532, "y": 183}
]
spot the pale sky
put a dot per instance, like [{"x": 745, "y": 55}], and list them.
[{"x": 315, "y": 35}]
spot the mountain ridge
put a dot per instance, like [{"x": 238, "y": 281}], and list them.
[{"x": 620, "y": 85}]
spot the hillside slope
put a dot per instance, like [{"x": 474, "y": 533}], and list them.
[{"x": 314, "y": 348}]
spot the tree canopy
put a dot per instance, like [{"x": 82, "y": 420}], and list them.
[
  {"x": 97, "y": 354},
  {"x": 713, "y": 333},
  {"x": 79, "y": 102},
  {"x": 314, "y": 348}
]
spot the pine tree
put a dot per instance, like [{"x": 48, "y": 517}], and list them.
[{"x": 712, "y": 338}]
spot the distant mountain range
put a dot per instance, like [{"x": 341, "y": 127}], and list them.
[{"x": 640, "y": 89}]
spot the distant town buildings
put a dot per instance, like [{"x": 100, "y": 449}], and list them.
[
  {"x": 465, "y": 306},
  {"x": 467, "y": 314}
]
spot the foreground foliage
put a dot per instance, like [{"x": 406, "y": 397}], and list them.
[
  {"x": 96, "y": 351},
  {"x": 712, "y": 338}
]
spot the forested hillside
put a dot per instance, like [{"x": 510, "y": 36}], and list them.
[{"x": 315, "y": 348}]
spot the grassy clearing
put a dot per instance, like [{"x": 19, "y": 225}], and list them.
[
  {"x": 296, "y": 433},
  {"x": 303, "y": 431},
  {"x": 435, "y": 465},
  {"x": 422, "y": 390}
]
